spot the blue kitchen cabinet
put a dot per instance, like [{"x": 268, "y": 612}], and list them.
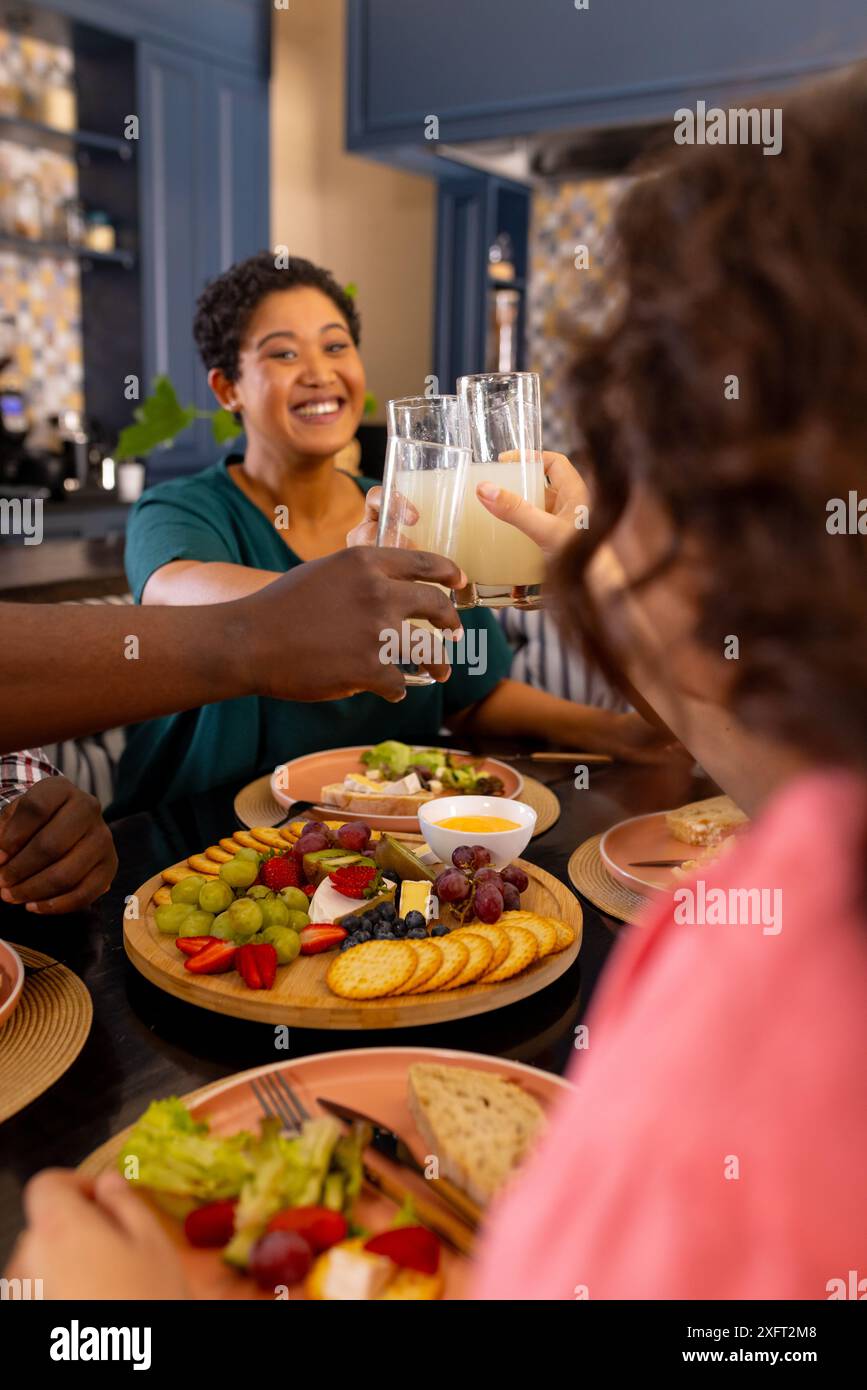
[{"x": 494, "y": 68}]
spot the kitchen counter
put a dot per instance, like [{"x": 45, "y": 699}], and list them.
[{"x": 62, "y": 569}]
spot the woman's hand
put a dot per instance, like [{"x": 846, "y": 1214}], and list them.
[
  {"x": 630, "y": 739},
  {"x": 567, "y": 505},
  {"x": 56, "y": 851},
  {"x": 94, "y": 1240}
]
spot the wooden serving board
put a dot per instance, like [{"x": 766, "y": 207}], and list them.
[{"x": 301, "y": 998}]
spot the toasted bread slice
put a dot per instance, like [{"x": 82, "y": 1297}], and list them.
[
  {"x": 479, "y": 1126},
  {"x": 705, "y": 822},
  {"x": 373, "y": 804}
]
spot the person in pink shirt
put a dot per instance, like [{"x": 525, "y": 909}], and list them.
[{"x": 715, "y": 1145}]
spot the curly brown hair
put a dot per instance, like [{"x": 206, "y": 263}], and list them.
[{"x": 735, "y": 263}]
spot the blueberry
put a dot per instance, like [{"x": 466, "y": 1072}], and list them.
[
  {"x": 386, "y": 935},
  {"x": 381, "y": 931},
  {"x": 352, "y": 924},
  {"x": 415, "y": 919},
  {"x": 416, "y": 933},
  {"x": 350, "y": 941},
  {"x": 361, "y": 936},
  {"x": 399, "y": 927},
  {"x": 387, "y": 912},
  {"x": 440, "y": 930}
]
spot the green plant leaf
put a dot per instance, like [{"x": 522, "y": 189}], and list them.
[
  {"x": 351, "y": 289},
  {"x": 225, "y": 427},
  {"x": 371, "y": 404},
  {"x": 158, "y": 420}
]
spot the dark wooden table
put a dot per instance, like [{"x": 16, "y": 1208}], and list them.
[{"x": 144, "y": 1044}]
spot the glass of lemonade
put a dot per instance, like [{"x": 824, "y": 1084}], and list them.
[
  {"x": 504, "y": 424},
  {"x": 432, "y": 419},
  {"x": 422, "y": 494}
]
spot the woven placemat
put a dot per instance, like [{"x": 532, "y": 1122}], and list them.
[
  {"x": 590, "y": 876},
  {"x": 254, "y": 804},
  {"x": 44, "y": 1033}
]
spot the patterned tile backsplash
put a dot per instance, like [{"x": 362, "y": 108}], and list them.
[
  {"x": 568, "y": 290},
  {"x": 42, "y": 294}
]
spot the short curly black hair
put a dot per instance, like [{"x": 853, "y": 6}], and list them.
[{"x": 226, "y": 304}]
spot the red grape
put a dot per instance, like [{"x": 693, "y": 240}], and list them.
[
  {"x": 312, "y": 840},
  {"x": 452, "y": 886},
  {"x": 488, "y": 876},
  {"x": 488, "y": 902},
  {"x": 481, "y": 855},
  {"x": 280, "y": 1257},
  {"x": 512, "y": 874},
  {"x": 511, "y": 897},
  {"x": 464, "y": 857},
  {"x": 353, "y": 836}
]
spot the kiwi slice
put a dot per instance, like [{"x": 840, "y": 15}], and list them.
[{"x": 395, "y": 858}]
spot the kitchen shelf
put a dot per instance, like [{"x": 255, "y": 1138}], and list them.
[
  {"x": 60, "y": 250},
  {"x": 38, "y": 136}
]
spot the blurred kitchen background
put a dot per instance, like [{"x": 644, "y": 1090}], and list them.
[{"x": 449, "y": 160}]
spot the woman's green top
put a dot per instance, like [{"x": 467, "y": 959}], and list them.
[{"x": 206, "y": 517}]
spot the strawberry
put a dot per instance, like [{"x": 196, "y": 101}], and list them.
[
  {"x": 216, "y": 959},
  {"x": 321, "y": 938},
  {"x": 257, "y": 965},
  {"x": 308, "y": 888},
  {"x": 280, "y": 872},
  {"x": 212, "y": 1226},
  {"x": 352, "y": 880},
  {"x": 319, "y": 1226},
  {"x": 192, "y": 945},
  {"x": 411, "y": 1247}
]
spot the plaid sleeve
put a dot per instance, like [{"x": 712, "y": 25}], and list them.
[{"x": 19, "y": 771}]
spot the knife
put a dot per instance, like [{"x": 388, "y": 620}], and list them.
[
  {"x": 657, "y": 863},
  {"x": 392, "y": 1147}
]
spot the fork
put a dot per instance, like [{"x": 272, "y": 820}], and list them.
[{"x": 278, "y": 1100}]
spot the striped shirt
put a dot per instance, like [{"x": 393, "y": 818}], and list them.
[
  {"x": 542, "y": 659},
  {"x": 20, "y": 771}
]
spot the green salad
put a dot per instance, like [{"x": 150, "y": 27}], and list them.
[{"x": 395, "y": 760}]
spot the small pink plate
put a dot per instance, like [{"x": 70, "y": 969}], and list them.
[
  {"x": 11, "y": 980},
  {"x": 302, "y": 779},
  {"x": 643, "y": 837}
]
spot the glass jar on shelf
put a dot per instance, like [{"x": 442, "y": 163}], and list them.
[
  {"x": 99, "y": 234},
  {"x": 57, "y": 105},
  {"x": 73, "y": 221},
  {"x": 27, "y": 209}
]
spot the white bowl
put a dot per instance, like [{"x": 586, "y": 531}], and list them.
[{"x": 503, "y": 845}]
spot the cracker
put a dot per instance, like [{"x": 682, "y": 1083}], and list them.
[
  {"x": 371, "y": 970},
  {"x": 244, "y": 838},
  {"x": 455, "y": 958},
  {"x": 162, "y": 896},
  {"x": 565, "y": 933},
  {"x": 203, "y": 865},
  {"x": 542, "y": 928},
  {"x": 428, "y": 957},
  {"x": 176, "y": 873},
  {"x": 230, "y": 847},
  {"x": 523, "y": 950},
  {"x": 480, "y": 958},
  {"x": 266, "y": 835},
  {"x": 493, "y": 933},
  {"x": 218, "y": 855},
  {"x": 292, "y": 831}
]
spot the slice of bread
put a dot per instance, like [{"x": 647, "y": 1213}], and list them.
[
  {"x": 478, "y": 1126},
  {"x": 335, "y": 794},
  {"x": 705, "y": 822}
]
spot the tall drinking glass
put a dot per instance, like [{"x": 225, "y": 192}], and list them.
[
  {"x": 422, "y": 492},
  {"x": 432, "y": 419},
  {"x": 504, "y": 420}
]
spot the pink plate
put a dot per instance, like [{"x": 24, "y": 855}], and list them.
[
  {"x": 371, "y": 1079},
  {"x": 11, "y": 980},
  {"x": 302, "y": 779},
  {"x": 643, "y": 837}
]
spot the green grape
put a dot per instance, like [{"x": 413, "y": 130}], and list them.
[
  {"x": 258, "y": 940},
  {"x": 222, "y": 927},
  {"x": 296, "y": 921},
  {"x": 275, "y": 913},
  {"x": 239, "y": 873},
  {"x": 171, "y": 917},
  {"x": 215, "y": 896},
  {"x": 187, "y": 891},
  {"x": 251, "y": 854},
  {"x": 295, "y": 899},
  {"x": 286, "y": 943},
  {"x": 260, "y": 892},
  {"x": 198, "y": 923},
  {"x": 246, "y": 917}
]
